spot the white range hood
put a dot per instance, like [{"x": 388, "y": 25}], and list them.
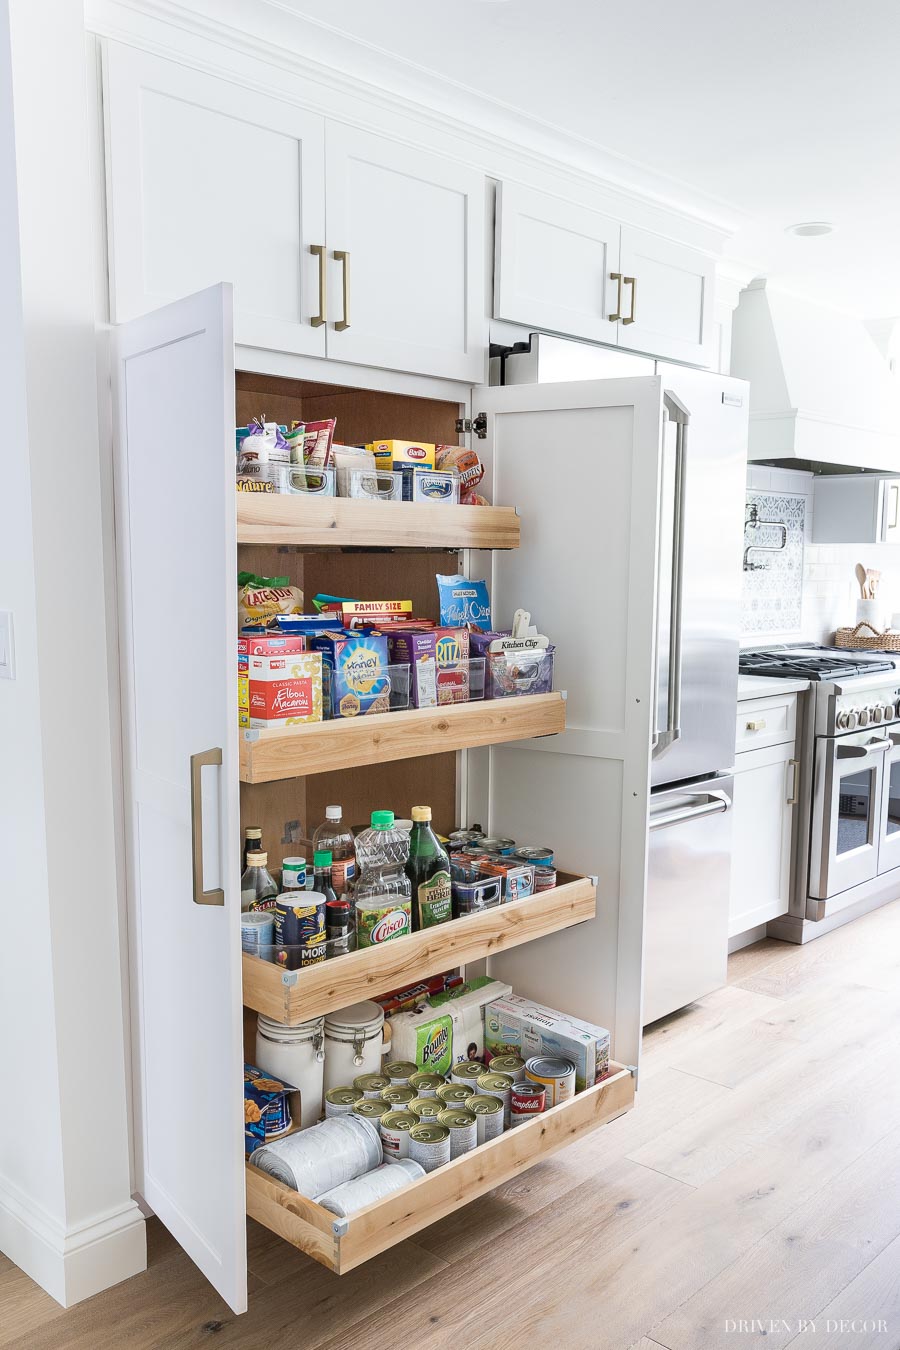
[{"x": 820, "y": 391}]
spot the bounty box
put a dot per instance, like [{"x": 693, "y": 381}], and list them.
[
  {"x": 438, "y": 660},
  {"x": 519, "y": 1024},
  {"x": 355, "y": 676}
]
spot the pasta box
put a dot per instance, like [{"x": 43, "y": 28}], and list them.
[{"x": 285, "y": 689}]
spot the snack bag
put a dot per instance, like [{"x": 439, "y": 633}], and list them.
[
  {"x": 262, "y": 599},
  {"x": 463, "y": 602},
  {"x": 464, "y": 461}
]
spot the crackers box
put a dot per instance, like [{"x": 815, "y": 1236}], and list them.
[
  {"x": 438, "y": 659},
  {"x": 354, "y": 671},
  {"x": 269, "y": 644},
  {"x": 285, "y": 690},
  {"x": 529, "y": 1028},
  {"x": 267, "y": 1098}
]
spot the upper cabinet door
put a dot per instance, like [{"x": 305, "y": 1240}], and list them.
[
  {"x": 207, "y": 182},
  {"x": 668, "y": 305},
  {"x": 406, "y": 257},
  {"x": 552, "y": 265}
]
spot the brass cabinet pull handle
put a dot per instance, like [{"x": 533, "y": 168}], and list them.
[
  {"x": 318, "y": 251},
  {"x": 792, "y": 800},
  {"x": 201, "y": 897},
  {"x": 343, "y": 256},
  {"x": 632, "y": 282},
  {"x": 617, "y": 276}
]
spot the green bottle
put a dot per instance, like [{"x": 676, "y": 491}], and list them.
[{"x": 428, "y": 870}]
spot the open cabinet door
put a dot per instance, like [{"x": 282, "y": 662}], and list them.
[
  {"x": 175, "y": 525},
  {"x": 581, "y": 462}
]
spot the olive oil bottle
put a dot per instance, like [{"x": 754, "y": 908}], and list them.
[{"x": 428, "y": 870}]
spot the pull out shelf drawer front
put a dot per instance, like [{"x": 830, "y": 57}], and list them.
[
  {"x": 766, "y": 721},
  {"x": 342, "y": 1244}
]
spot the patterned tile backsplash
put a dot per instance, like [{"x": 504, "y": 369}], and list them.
[{"x": 773, "y": 590}]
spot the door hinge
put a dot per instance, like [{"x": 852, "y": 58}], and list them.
[{"x": 478, "y": 424}]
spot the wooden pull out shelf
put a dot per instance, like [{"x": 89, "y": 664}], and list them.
[
  {"x": 296, "y": 995},
  {"x": 338, "y": 522},
  {"x": 342, "y": 1244},
  {"x": 349, "y": 742}
]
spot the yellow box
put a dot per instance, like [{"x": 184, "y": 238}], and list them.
[
  {"x": 420, "y": 454},
  {"x": 243, "y": 691},
  {"x": 243, "y": 717}
]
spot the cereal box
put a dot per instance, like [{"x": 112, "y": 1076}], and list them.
[
  {"x": 354, "y": 668},
  {"x": 285, "y": 690},
  {"x": 438, "y": 661},
  {"x": 268, "y": 1107},
  {"x": 516, "y": 1023}
]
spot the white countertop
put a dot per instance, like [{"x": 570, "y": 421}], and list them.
[{"x": 759, "y": 686}]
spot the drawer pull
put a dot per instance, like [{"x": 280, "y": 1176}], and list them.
[
  {"x": 758, "y": 724},
  {"x": 794, "y": 797}
]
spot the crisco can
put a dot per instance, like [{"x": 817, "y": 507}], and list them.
[
  {"x": 468, "y": 1071},
  {"x": 382, "y": 920},
  {"x": 496, "y": 1085},
  {"x": 400, "y": 1071},
  {"x": 340, "y": 1101},
  {"x": 371, "y": 1085},
  {"x": 488, "y": 1113},
  {"x": 526, "y": 1100},
  {"x": 426, "y": 1108},
  {"x": 395, "y": 1127},
  {"x": 511, "y": 1064},
  {"x": 429, "y": 1145},
  {"x": 399, "y": 1096},
  {"x": 372, "y": 1110},
  {"x": 463, "y": 1128},
  {"x": 557, "y": 1076},
  {"x": 426, "y": 1084},
  {"x": 455, "y": 1094}
]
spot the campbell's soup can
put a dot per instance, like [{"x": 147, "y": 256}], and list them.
[
  {"x": 399, "y": 1096},
  {"x": 556, "y": 1075},
  {"x": 400, "y": 1071},
  {"x": 544, "y": 879},
  {"x": 429, "y": 1145},
  {"x": 496, "y": 1085},
  {"x": 340, "y": 1101},
  {"x": 468, "y": 1071},
  {"x": 426, "y": 1108},
  {"x": 511, "y": 1064},
  {"x": 426, "y": 1084},
  {"x": 371, "y": 1085},
  {"x": 455, "y": 1094},
  {"x": 525, "y": 1101},
  {"x": 394, "y": 1128},
  {"x": 488, "y": 1113},
  {"x": 463, "y": 1129}
]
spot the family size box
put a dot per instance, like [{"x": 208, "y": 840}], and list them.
[
  {"x": 373, "y": 612},
  {"x": 517, "y": 1023},
  {"x": 355, "y": 673},
  {"x": 285, "y": 690},
  {"x": 439, "y": 664}
]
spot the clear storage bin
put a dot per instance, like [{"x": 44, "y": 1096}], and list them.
[
  {"x": 389, "y": 690},
  {"x": 433, "y": 684},
  {"x": 304, "y": 480},
  {"x": 400, "y": 485},
  {"x": 508, "y": 674}
]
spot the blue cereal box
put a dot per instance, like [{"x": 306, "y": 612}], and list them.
[
  {"x": 354, "y": 669},
  {"x": 267, "y": 1107}
]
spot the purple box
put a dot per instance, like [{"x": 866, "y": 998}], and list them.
[
  {"x": 509, "y": 674},
  {"x": 438, "y": 660}
]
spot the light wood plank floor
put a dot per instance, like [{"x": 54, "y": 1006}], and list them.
[{"x": 755, "y": 1190}]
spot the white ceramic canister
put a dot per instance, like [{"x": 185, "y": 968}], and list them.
[
  {"x": 296, "y": 1055},
  {"x": 353, "y": 1043}
]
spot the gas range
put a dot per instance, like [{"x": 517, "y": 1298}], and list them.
[
  {"x": 850, "y": 690},
  {"x": 806, "y": 661}
]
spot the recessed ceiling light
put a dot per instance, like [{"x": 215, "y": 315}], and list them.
[{"x": 808, "y": 229}]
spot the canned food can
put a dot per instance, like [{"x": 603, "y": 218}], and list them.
[
  {"x": 544, "y": 879},
  {"x": 299, "y": 929},
  {"x": 426, "y": 1084},
  {"x": 468, "y": 1071},
  {"x": 455, "y": 1094},
  {"x": 463, "y": 1128},
  {"x": 257, "y": 931},
  {"x": 399, "y": 1096},
  {"x": 400, "y": 1071},
  {"x": 496, "y": 1085},
  {"x": 488, "y": 1113},
  {"x": 530, "y": 853},
  {"x": 426, "y": 1108},
  {"x": 371, "y": 1085},
  {"x": 340, "y": 1101},
  {"x": 474, "y": 851},
  {"x": 429, "y": 1145},
  {"x": 504, "y": 847},
  {"x": 526, "y": 1100},
  {"x": 372, "y": 1110},
  {"x": 557, "y": 1076},
  {"x": 511, "y": 1064},
  {"x": 293, "y": 874},
  {"x": 394, "y": 1128}
]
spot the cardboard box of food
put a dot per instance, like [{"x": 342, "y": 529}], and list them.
[
  {"x": 438, "y": 659},
  {"x": 285, "y": 690},
  {"x": 529, "y": 1028},
  {"x": 355, "y": 672}
]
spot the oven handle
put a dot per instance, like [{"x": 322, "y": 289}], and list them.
[
  {"x": 714, "y": 803},
  {"x": 871, "y": 748}
]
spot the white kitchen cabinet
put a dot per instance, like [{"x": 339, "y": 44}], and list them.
[
  {"x": 859, "y": 508},
  {"x": 668, "y": 309},
  {"x": 765, "y": 789}
]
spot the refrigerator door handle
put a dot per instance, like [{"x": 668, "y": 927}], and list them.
[
  {"x": 678, "y": 414},
  {"x": 711, "y": 805}
]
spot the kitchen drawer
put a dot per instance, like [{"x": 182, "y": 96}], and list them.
[{"x": 766, "y": 721}]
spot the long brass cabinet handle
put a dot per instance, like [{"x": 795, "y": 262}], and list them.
[
  {"x": 794, "y": 766},
  {"x": 318, "y": 251},
  {"x": 632, "y": 282},
  {"x": 343, "y": 256},
  {"x": 201, "y": 897},
  {"x": 617, "y": 276}
]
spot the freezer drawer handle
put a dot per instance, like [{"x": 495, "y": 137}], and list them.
[
  {"x": 679, "y": 414},
  {"x": 711, "y": 805},
  {"x": 201, "y": 897}
]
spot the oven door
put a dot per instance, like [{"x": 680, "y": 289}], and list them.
[
  {"x": 848, "y": 790},
  {"x": 889, "y": 851}
]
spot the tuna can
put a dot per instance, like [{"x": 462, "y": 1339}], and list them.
[
  {"x": 371, "y": 1085},
  {"x": 340, "y": 1101},
  {"x": 258, "y": 932},
  {"x": 496, "y": 1085},
  {"x": 455, "y": 1095},
  {"x": 399, "y": 1096},
  {"x": 557, "y": 1076},
  {"x": 488, "y": 1113},
  {"x": 426, "y": 1108},
  {"x": 463, "y": 1128},
  {"x": 529, "y": 853},
  {"x": 400, "y": 1071},
  {"x": 468, "y": 1071},
  {"x": 474, "y": 851},
  {"x": 544, "y": 879},
  {"x": 372, "y": 1110},
  {"x": 511, "y": 1064},
  {"x": 504, "y": 847},
  {"x": 429, "y": 1145},
  {"x": 426, "y": 1084},
  {"x": 395, "y": 1128},
  {"x": 526, "y": 1100}
]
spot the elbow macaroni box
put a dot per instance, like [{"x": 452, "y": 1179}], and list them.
[
  {"x": 285, "y": 690},
  {"x": 520, "y": 1024}
]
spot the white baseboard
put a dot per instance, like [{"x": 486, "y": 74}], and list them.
[
  {"x": 71, "y": 1265},
  {"x": 737, "y": 941}
]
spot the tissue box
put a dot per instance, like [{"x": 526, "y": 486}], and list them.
[{"x": 517, "y": 1023}]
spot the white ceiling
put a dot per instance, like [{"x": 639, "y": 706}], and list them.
[{"x": 778, "y": 110}]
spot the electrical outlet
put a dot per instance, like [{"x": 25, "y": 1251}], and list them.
[{"x": 7, "y": 651}]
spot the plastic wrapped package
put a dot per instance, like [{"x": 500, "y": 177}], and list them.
[
  {"x": 324, "y": 1156},
  {"x": 354, "y": 1195}
]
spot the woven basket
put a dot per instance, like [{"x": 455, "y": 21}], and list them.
[{"x": 855, "y": 640}]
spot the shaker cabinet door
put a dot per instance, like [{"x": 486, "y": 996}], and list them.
[
  {"x": 668, "y": 305},
  {"x": 209, "y": 181},
  {"x": 765, "y": 784}
]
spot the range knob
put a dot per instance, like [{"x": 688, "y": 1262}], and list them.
[
  {"x": 852, "y": 719},
  {"x": 875, "y": 713},
  {"x": 843, "y": 720},
  {"x": 862, "y": 717},
  {"x": 897, "y": 708}
]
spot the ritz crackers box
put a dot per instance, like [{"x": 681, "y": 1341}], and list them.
[
  {"x": 285, "y": 689},
  {"x": 438, "y": 659}
]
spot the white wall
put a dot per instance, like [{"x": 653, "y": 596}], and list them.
[{"x": 66, "y": 1214}]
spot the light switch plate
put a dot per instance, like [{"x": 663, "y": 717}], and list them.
[{"x": 7, "y": 650}]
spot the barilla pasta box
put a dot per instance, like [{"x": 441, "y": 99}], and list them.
[
  {"x": 268, "y": 1104},
  {"x": 355, "y": 672},
  {"x": 518, "y": 1024},
  {"x": 285, "y": 690},
  {"x": 438, "y": 659},
  {"x": 395, "y": 454}
]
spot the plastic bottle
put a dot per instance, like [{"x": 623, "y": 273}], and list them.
[
  {"x": 258, "y": 890},
  {"x": 337, "y": 837},
  {"x": 428, "y": 870},
  {"x": 382, "y": 893}
]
